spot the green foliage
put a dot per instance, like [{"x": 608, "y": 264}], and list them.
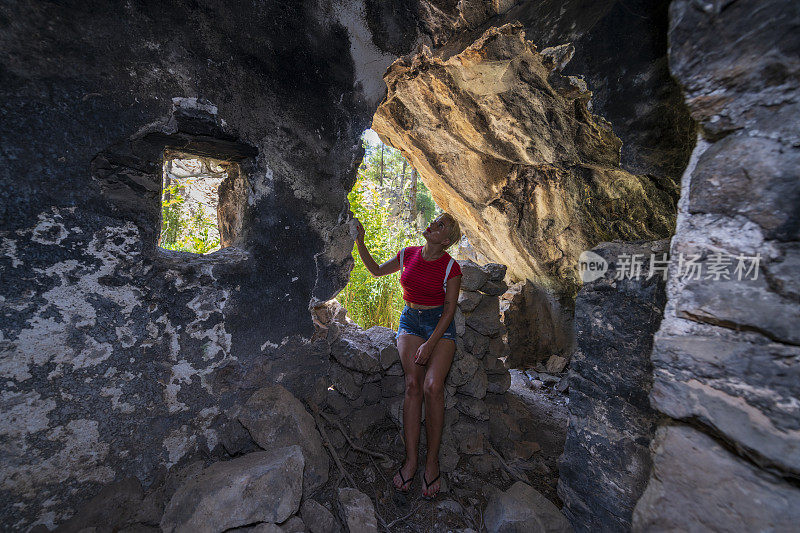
[
  {"x": 386, "y": 213},
  {"x": 185, "y": 229},
  {"x": 426, "y": 206}
]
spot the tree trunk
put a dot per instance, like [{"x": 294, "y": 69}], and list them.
[
  {"x": 414, "y": 197},
  {"x": 380, "y": 177},
  {"x": 402, "y": 185}
]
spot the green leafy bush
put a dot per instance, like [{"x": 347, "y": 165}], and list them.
[
  {"x": 383, "y": 200},
  {"x": 184, "y": 229}
]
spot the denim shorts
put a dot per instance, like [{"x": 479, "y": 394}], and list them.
[{"x": 422, "y": 322}]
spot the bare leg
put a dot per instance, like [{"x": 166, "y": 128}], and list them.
[
  {"x": 407, "y": 345},
  {"x": 437, "y": 368}
]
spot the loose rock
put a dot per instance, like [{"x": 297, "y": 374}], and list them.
[
  {"x": 258, "y": 487},
  {"x": 357, "y": 512},
  {"x": 523, "y": 509},
  {"x": 275, "y": 418}
]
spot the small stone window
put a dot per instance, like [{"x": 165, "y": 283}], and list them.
[{"x": 202, "y": 202}]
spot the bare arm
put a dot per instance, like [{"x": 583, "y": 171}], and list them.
[
  {"x": 450, "y": 304},
  {"x": 390, "y": 266}
]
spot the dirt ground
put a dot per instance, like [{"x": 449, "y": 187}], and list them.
[{"x": 465, "y": 491}]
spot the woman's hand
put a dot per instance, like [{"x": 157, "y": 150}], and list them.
[
  {"x": 423, "y": 354},
  {"x": 359, "y": 230}
]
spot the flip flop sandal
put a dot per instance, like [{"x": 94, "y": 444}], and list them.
[
  {"x": 404, "y": 481},
  {"x": 428, "y": 486}
]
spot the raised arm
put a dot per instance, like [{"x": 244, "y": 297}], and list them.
[{"x": 390, "y": 266}]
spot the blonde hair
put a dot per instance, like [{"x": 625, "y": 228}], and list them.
[{"x": 455, "y": 230}]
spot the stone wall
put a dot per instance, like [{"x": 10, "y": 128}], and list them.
[
  {"x": 606, "y": 460},
  {"x": 726, "y": 358},
  {"x": 118, "y": 359},
  {"x": 368, "y": 384}
]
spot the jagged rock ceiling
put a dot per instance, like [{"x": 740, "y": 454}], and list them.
[{"x": 510, "y": 147}]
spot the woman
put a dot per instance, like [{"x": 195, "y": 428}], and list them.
[{"x": 426, "y": 339}]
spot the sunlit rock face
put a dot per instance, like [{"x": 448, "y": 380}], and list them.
[{"x": 509, "y": 146}]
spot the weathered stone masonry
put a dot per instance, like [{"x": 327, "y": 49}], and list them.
[{"x": 118, "y": 359}]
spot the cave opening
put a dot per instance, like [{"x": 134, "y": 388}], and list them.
[
  {"x": 395, "y": 206},
  {"x": 202, "y": 200}
]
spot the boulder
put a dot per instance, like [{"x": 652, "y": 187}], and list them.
[
  {"x": 354, "y": 350},
  {"x": 476, "y": 386},
  {"x": 258, "y": 487},
  {"x": 475, "y": 343},
  {"x": 495, "y": 272},
  {"x": 317, "y": 518},
  {"x": 393, "y": 386},
  {"x": 463, "y": 368},
  {"x": 275, "y": 418},
  {"x": 523, "y": 509},
  {"x": 346, "y": 382},
  {"x": 494, "y": 288},
  {"x": 468, "y": 300},
  {"x": 356, "y": 511}
]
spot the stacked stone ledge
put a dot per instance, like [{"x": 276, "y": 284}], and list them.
[{"x": 367, "y": 381}]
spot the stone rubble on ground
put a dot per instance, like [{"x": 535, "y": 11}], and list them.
[
  {"x": 275, "y": 418},
  {"x": 522, "y": 509},
  {"x": 258, "y": 487},
  {"x": 356, "y": 511},
  {"x": 317, "y": 518}
]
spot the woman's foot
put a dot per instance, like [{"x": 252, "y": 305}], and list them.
[
  {"x": 403, "y": 478},
  {"x": 431, "y": 482}
]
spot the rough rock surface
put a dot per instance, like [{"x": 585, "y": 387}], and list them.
[
  {"x": 539, "y": 324},
  {"x": 122, "y": 357},
  {"x": 522, "y": 509},
  {"x": 631, "y": 85},
  {"x": 357, "y": 512},
  {"x": 275, "y": 418},
  {"x": 317, "y": 518},
  {"x": 695, "y": 480},
  {"x": 606, "y": 460},
  {"x": 509, "y": 146},
  {"x": 726, "y": 356},
  {"x": 258, "y": 487}
]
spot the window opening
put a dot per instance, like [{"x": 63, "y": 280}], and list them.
[{"x": 190, "y": 202}]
